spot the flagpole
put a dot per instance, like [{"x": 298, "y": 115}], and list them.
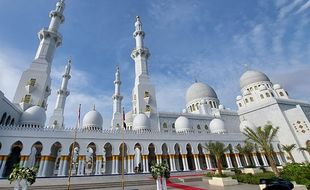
[
  {"x": 72, "y": 150},
  {"x": 123, "y": 149}
]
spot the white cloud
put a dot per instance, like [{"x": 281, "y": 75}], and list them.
[{"x": 303, "y": 7}]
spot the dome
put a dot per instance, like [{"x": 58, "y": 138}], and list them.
[
  {"x": 250, "y": 77},
  {"x": 141, "y": 122},
  {"x": 244, "y": 124},
  {"x": 128, "y": 117},
  {"x": 92, "y": 119},
  {"x": 217, "y": 126},
  {"x": 199, "y": 90},
  {"x": 276, "y": 86},
  {"x": 34, "y": 115},
  {"x": 182, "y": 124}
]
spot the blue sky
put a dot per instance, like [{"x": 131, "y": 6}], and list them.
[{"x": 210, "y": 41}]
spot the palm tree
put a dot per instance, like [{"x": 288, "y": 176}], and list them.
[
  {"x": 263, "y": 138},
  {"x": 245, "y": 150},
  {"x": 288, "y": 149},
  {"x": 217, "y": 149},
  {"x": 307, "y": 148}
]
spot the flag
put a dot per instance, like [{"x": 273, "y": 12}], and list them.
[{"x": 124, "y": 124}]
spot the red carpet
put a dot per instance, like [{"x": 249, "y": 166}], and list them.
[{"x": 180, "y": 186}]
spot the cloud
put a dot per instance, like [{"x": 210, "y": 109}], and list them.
[
  {"x": 303, "y": 7},
  {"x": 289, "y": 8}
]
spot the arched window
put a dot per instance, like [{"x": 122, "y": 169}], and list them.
[
  {"x": 214, "y": 104},
  {"x": 165, "y": 126},
  {"x": 197, "y": 106},
  {"x": 8, "y": 120},
  {"x": 148, "y": 108},
  {"x": 198, "y": 127},
  {"x": 262, "y": 96},
  {"x": 251, "y": 99},
  {"x": 193, "y": 107},
  {"x": 281, "y": 93},
  {"x": 12, "y": 122},
  {"x": 267, "y": 94},
  {"x": 206, "y": 127},
  {"x": 255, "y": 87},
  {"x": 173, "y": 126},
  {"x": 211, "y": 104},
  {"x": 246, "y": 100},
  {"x": 272, "y": 94},
  {"x": 240, "y": 105},
  {"x": 3, "y": 119},
  {"x": 190, "y": 107}
]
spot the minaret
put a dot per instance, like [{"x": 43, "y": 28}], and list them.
[
  {"x": 116, "y": 121},
  {"x": 34, "y": 85},
  {"x": 57, "y": 119},
  {"x": 143, "y": 94}
]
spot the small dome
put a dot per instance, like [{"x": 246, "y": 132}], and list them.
[
  {"x": 239, "y": 98},
  {"x": 141, "y": 122},
  {"x": 244, "y": 124},
  {"x": 217, "y": 126},
  {"x": 262, "y": 87},
  {"x": 199, "y": 90},
  {"x": 251, "y": 76},
  {"x": 276, "y": 86},
  {"x": 34, "y": 115},
  {"x": 92, "y": 120},
  {"x": 182, "y": 125}
]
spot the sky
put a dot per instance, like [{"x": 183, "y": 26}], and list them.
[{"x": 209, "y": 41}]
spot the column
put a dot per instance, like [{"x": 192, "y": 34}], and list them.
[
  {"x": 247, "y": 161},
  {"x": 264, "y": 160},
  {"x": 115, "y": 159},
  {"x": 184, "y": 160},
  {"x": 3, "y": 162},
  {"x": 196, "y": 157},
  {"x": 21, "y": 162},
  {"x": 146, "y": 164},
  {"x": 82, "y": 171},
  {"x": 65, "y": 167},
  {"x": 237, "y": 156},
  {"x": 41, "y": 166},
  {"x": 255, "y": 160},
  {"x": 26, "y": 158},
  {"x": 44, "y": 171},
  {"x": 208, "y": 161},
  {"x": 228, "y": 160},
  {"x": 279, "y": 158},
  {"x": 113, "y": 165},
  {"x": 98, "y": 164},
  {"x": 172, "y": 165},
  {"x": 61, "y": 164},
  {"x": 158, "y": 159}
]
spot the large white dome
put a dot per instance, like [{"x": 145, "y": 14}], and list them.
[
  {"x": 182, "y": 124},
  {"x": 217, "y": 126},
  {"x": 34, "y": 115},
  {"x": 199, "y": 90},
  {"x": 92, "y": 120},
  {"x": 141, "y": 122},
  {"x": 251, "y": 76},
  {"x": 244, "y": 124}
]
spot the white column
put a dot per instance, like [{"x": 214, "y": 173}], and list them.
[
  {"x": 25, "y": 161},
  {"x": 184, "y": 160},
  {"x": 129, "y": 164},
  {"x": 147, "y": 164},
  {"x": 82, "y": 170},
  {"x": 113, "y": 165},
  {"x": 4, "y": 158},
  {"x": 41, "y": 166},
  {"x": 208, "y": 161},
  {"x": 116, "y": 164},
  {"x": 247, "y": 161},
  {"x": 61, "y": 163},
  {"x": 228, "y": 160},
  {"x": 279, "y": 158},
  {"x": 43, "y": 174},
  {"x": 238, "y": 160},
  {"x": 65, "y": 166},
  {"x": 172, "y": 167},
  {"x": 256, "y": 159},
  {"x": 264, "y": 159},
  {"x": 196, "y": 156}
]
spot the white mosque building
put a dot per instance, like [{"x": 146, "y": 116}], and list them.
[{"x": 29, "y": 138}]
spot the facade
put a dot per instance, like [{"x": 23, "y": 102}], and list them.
[{"x": 150, "y": 135}]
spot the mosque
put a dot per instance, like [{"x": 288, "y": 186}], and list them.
[{"x": 29, "y": 138}]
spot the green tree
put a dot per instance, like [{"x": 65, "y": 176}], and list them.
[
  {"x": 245, "y": 150},
  {"x": 288, "y": 149},
  {"x": 217, "y": 149},
  {"x": 307, "y": 148},
  {"x": 263, "y": 136}
]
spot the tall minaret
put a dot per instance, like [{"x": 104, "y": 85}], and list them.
[
  {"x": 57, "y": 119},
  {"x": 116, "y": 121},
  {"x": 34, "y": 85},
  {"x": 143, "y": 94}
]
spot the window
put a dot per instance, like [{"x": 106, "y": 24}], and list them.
[
  {"x": 255, "y": 87},
  {"x": 193, "y": 107},
  {"x": 211, "y": 104},
  {"x": 262, "y": 96},
  {"x": 148, "y": 108},
  {"x": 281, "y": 93},
  {"x": 165, "y": 126},
  {"x": 272, "y": 94},
  {"x": 146, "y": 94},
  {"x": 27, "y": 98},
  {"x": 267, "y": 94},
  {"x": 251, "y": 99},
  {"x": 173, "y": 126},
  {"x": 32, "y": 82},
  {"x": 198, "y": 127},
  {"x": 3, "y": 119},
  {"x": 246, "y": 100},
  {"x": 134, "y": 97},
  {"x": 240, "y": 105},
  {"x": 197, "y": 106},
  {"x": 206, "y": 127},
  {"x": 8, "y": 120},
  {"x": 214, "y": 104}
]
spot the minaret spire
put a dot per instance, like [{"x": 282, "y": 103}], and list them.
[
  {"x": 57, "y": 119},
  {"x": 34, "y": 85},
  {"x": 116, "y": 121},
  {"x": 144, "y": 98}
]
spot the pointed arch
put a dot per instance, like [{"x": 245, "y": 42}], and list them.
[
  {"x": 178, "y": 158},
  {"x": 107, "y": 158},
  {"x": 13, "y": 158}
]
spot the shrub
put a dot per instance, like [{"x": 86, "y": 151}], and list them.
[
  {"x": 297, "y": 172},
  {"x": 212, "y": 174},
  {"x": 254, "y": 179}
]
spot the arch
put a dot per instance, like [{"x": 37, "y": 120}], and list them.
[
  {"x": 232, "y": 156},
  {"x": 197, "y": 106},
  {"x": 151, "y": 155},
  {"x": 210, "y": 102},
  {"x": 190, "y": 157},
  {"x": 201, "y": 157},
  {"x": 55, "y": 158},
  {"x": 13, "y": 158},
  {"x": 262, "y": 96},
  {"x": 178, "y": 158},
  {"x": 90, "y": 165},
  {"x": 8, "y": 120},
  {"x": 165, "y": 126},
  {"x": 214, "y": 105},
  {"x": 137, "y": 158},
  {"x": 198, "y": 127},
  {"x": 35, "y": 155},
  {"x": 74, "y": 151},
  {"x": 122, "y": 158},
  {"x": 107, "y": 158},
  {"x": 3, "y": 118},
  {"x": 12, "y": 122},
  {"x": 165, "y": 156}
]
